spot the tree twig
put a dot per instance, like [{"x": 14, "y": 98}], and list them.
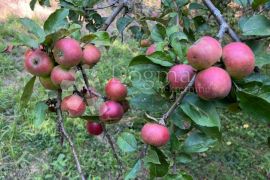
[
  {"x": 66, "y": 135},
  {"x": 221, "y": 21},
  {"x": 177, "y": 101},
  {"x": 111, "y": 18},
  {"x": 103, "y": 7},
  {"x": 85, "y": 79}
]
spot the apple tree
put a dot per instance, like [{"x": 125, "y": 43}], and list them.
[{"x": 194, "y": 61}]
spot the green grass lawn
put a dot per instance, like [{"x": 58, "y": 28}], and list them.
[{"x": 30, "y": 152}]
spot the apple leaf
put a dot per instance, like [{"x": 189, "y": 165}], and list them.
[
  {"x": 27, "y": 91},
  {"x": 56, "y": 21},
  {"x": 134, "y": 171},
  {"x": 159, "y": 170},
  {"x": 127, "y": 142},
  {"x": 40, "y": 113}
]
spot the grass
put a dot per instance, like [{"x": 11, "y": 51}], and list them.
[{"x": 29, "y": 152}]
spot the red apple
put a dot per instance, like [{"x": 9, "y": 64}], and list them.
[
  {"x": 155, "y": 134},
  {"x": 47, "y": 83},
  {"x": 180, "y": 75},
  {"x": 94, "y": 128},
  {"x": 38, "y": 63},
  {"x": 74, "y": 105},
  {"x": 150, "y": 50},
  {"x": 204, "y": 53},
  {"x": 67, "y": 52},
  {"x": 115, "y": 90},
  {"x": 91, "y": 55},
  {"x": 238, "y": 59},
  {"x": 111, "y": 111},
  {"x": 62, "y": 77},
  {"x": 213, "y": 83}
]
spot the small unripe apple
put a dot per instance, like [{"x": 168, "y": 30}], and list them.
[
  {"x": 239, "y": 60},
  {"x": 145, "y": 43},
  {"x": 150, "y": 50},
  {"x": 180, "y": 75},
  {"x": 91, "y": 55},
  {"x": 213, "y": 83},
  {"x": 110, "y": 112},
  {"x": 62, "y": 77},
  {"x": 38, "y": 63},
  {"x": 74, "y": 105},
  {"x": 204, "y": 53},
  {"x": 115, "y": 90},
  {"x": 67, "y": 52},
  {"x": 47, "y": 83},
  {"x": 125, "y": 105},
  {"x": 94, "y": 128},
  {"x": 155, "y": 134}
]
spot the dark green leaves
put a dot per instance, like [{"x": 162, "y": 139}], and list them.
[
  {"x": 254, "y": 105},
  {"x": 197, "y": 142},
  {"x": 32, "y": 4},
  {"x": 40, "y": 113},
  {"x": 134, "y": 171},
  {"x": 257, "y": 25},
  {"x": 158, "y": 57},
  {"x": 158, "y": 33},
  {"x": 27, "y": 91},
  {"x": 56, "y": 21},
  {"x": 257, "y": 3},
  {"x": 123, "y": 22},
  {"x": 161, "y": 169},
  {"x": 127, "y": 142}
]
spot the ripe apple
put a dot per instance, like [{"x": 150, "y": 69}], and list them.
[
  {"x": 62, "y": 77},
  {"x": 145, "y": 43},
  {"x": 38, "y": 63},
  {"x": 91, "y": 55},
  {"x": 213, "y": 83},
  {"x": 110, "y": 112},
  {"x": 115, "y": 90},
  {"x": 94, "y": 128},
  {"x": 155, "y": 134},
  {"x": 27, "y": 53},
  {"x": 204, "y": 53},
  {"x": 180, "y": 75},
  {"x": 47, "y": 83},
  {"x": 67, "y": 52},
  {"x": 239, "y": 60},
  {"x": 150, "y": 50},
  {"x": 74, "y": 105}
]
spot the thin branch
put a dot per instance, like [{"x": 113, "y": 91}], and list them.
[
  {"x": 111, "y": 18},
  {"x": 89, "y": 89},
  {"x": 103, "y": 7},
  {"x": 66, "y": 135},
  {"x": 177, "y": 101},
  {"x": 220, "y": 19}
]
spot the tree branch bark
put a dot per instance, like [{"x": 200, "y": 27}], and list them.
[
  {"x": 224, "y": 27},
  {"x": 65, "y": 134}
]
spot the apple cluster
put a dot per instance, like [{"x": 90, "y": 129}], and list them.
[
  {"x": 211, "y": 83},
  {"x": 56, "y": 70}
]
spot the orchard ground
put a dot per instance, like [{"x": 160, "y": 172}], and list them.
[{"x": 32, "y": 151}]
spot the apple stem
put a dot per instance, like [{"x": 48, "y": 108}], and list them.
[
  {"x": 177, "y": 101},
  {"x": 89, "y": 89},
  {"x": 224, "y": 27},
  {"x": 65, "y": 134}
]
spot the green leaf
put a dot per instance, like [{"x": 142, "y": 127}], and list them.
[
  {"x": 90, "y": 118},
  {"x": 141, "y": 59},
  {"x": 178, "y": 42},
  {"x": 257, "y": 107},
  {"x": 161, "y": 58},
  {"x": 102, "y": 38},
  {"x": 127, "y": 142},
  {"x": 34, "y": 28},
  {"x": 257, "y": 3},
  {"x": 152, "y": 157},
  {"x": 88, "y": 38},
  {"x": 134, "y": 171},
  {"x": 158, "y": 33},
  {"x": 262, "y": 59},
  {"x": 137, "y": 32},
  {"x": 159, "y": 170},
  {"x": 172, "y": 29},
  {"x": 243, "y": 3},
  {"x": 123, "y": 22},
  {"x": 184, "y": 158},
  {"x": 27, "y": 91},
  {"x": 178, "y": 176},
  {"x": 198, "y": 142},
  {"x": 32, "y": 4},
  {"x": 201, "y": 112},
  {"x": 40, "y": 113},
  {"x": 257, "y": 25},
  {"x": 196, "y": 6},
  {"x": 28, "y": 41},
  {"x": 56, "y": 21},
  {"x": 174, "y": 143}
]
